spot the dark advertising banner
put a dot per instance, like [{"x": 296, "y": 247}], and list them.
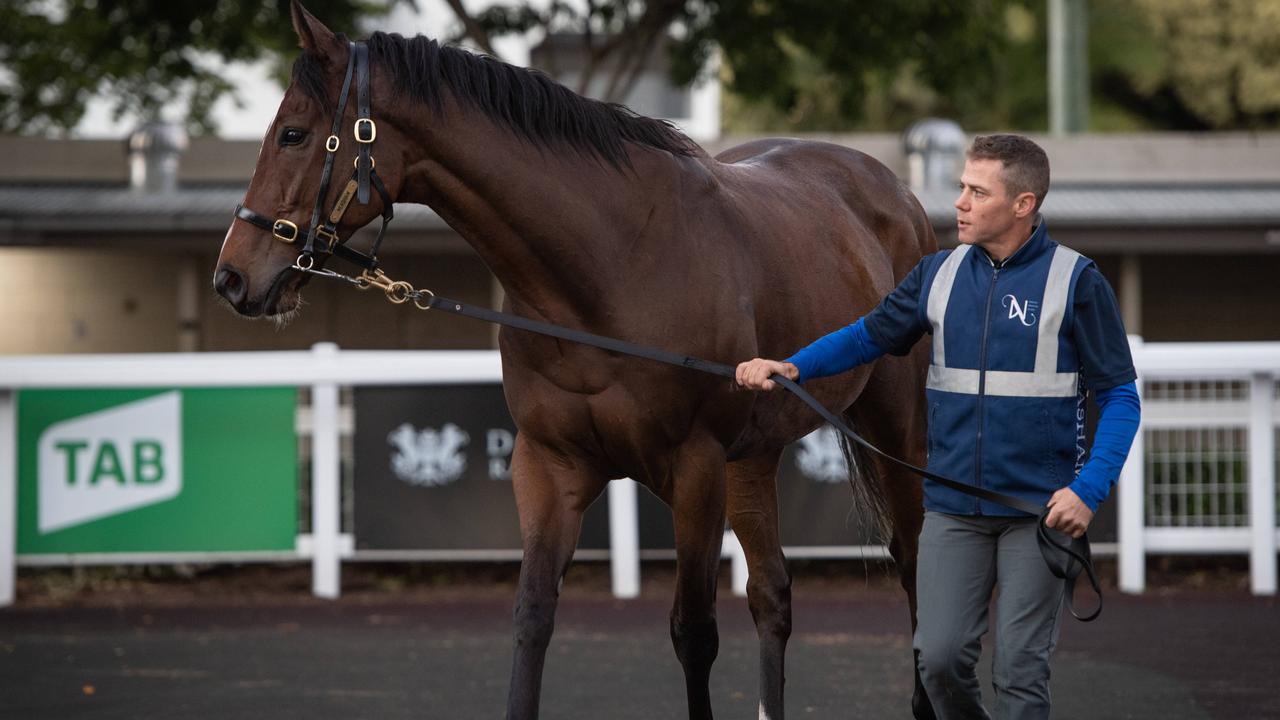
[{"x": 433, "y": 471}]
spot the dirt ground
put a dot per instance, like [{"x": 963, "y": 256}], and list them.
[{"x": 433, "y": 641}]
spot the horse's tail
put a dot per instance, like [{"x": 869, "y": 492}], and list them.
[{"x": 869, "y": 502}]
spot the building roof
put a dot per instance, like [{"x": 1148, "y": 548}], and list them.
[
  {"x": 62, "y": 191},
  {"x": 27, "y": 210},
  {"x": 34, "y": 209}
]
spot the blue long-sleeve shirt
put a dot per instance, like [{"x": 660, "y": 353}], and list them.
[
  {"x": 1118, "y": 413},
  {"x": 836, "y": 352},
  {"x": 1119, "y": 407}
]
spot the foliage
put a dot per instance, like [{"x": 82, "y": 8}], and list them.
[
  {"x": 1189, "y": 64},
  {"x": 143, "y": 54},
  {"x": 816, "y": 63},
  {"x": 788, "y": 65},
  {"x": 1153, "y": 65}
]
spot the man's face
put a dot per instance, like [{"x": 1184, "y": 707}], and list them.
[{"x": 984, "y": 210}]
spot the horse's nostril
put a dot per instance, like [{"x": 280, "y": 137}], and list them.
[{"x": 230, "y": 284}]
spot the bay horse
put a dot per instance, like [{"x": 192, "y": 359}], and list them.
[{"x": 596, "y": 218}]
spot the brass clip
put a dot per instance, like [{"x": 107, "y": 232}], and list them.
[
  {"x": 397, "y": 291},
  {"x": 376, "y": 279},
  {"x": 400, "y": 292},
  {"x": 370, "y": 130}
]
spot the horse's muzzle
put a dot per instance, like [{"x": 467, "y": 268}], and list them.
[{"x": 231, "y": 284}]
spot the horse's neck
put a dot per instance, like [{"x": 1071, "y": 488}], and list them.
[{"x": 553, "y": 224}]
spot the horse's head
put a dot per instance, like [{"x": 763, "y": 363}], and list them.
[{"x": 314, "y": 185}]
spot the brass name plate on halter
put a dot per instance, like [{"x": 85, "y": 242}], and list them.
[{"x": 343, "y": 201}]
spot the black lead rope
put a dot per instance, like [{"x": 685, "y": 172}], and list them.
[{"x": 1065, "y": 559}]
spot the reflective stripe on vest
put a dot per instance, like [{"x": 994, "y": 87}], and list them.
[{"x": 1044, "y": 380}]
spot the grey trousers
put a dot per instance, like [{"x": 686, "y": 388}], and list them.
[{"x": 962, "y": 559}]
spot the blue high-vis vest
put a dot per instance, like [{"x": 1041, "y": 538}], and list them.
[{"x": 1006, "y": 404}]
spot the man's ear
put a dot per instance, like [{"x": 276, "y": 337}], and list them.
[
  {"x": 313, "y": 36},
  {"x": 1024, "y": 205}
]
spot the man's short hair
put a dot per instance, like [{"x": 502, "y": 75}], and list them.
[{"x": 1026, "y": 166}]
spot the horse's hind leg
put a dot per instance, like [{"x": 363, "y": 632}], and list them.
[
  {"x": 552, "y": 492},
  {"x": 753, "y": 514},
  {"x": 697, "y": 507},
  {"x": 892, "y": 412}
]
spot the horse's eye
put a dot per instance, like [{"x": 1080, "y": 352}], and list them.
[{"x": 292, "y": 136}]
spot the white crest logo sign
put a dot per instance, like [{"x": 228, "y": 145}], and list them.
[
  {"x": 820, "y": 458},
  {"x": 110, "y": 462},
  {"x": 428, "y": 457}
]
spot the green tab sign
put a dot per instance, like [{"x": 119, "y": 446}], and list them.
[{"x": 203, "y": 470}]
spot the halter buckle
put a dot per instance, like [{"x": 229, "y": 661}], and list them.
[
  {"x": 284, "y": 231},
  {"x": 332, "y": 143},
  {"x": 366, "y": 131},
  {"x": 330, "y": 237}
]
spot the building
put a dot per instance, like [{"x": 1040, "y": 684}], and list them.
[{"x": 1186, "y": 227}]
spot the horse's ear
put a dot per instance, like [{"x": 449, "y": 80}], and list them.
[{"x": 313, "y": 36}]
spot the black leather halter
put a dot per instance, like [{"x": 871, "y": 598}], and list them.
[{"x": 322, "y": 238}]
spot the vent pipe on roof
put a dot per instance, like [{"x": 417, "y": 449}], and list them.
[
  {"x": 935, "y": 153},
  {"x": 155, "y": 149}
]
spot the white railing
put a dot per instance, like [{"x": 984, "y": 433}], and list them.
[
  {"x": 325, "y": 369},
  {"x": 1229, "y": 386}
]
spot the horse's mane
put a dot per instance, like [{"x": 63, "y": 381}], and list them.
[{"x": 528, "y": 102}]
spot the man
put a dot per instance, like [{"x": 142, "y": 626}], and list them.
[{"x": 1021, "y": 328}]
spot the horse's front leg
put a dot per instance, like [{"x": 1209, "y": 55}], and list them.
[
  {"x": 697, "y": 506},
  {"x": 552, "y": 492}
]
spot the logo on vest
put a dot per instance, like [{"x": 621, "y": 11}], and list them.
[{"x": 1024, "y": 313}]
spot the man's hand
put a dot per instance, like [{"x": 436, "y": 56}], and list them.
[
  {"x": 754, "y": 374},
  {"x": 1068, "y": 513}
]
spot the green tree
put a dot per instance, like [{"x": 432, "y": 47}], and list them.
[
  {"x": 143, "y": 54},
  {"x": 776, "y": 49},
  {"x": 1153, "y": 65},
  {"x": 1187, "y": 64},
  {"x": 999, "y": 83}
]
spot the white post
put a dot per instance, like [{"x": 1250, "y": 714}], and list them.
[
  {"x": 738, "y": 557},
  {"x": 326, "y": 504},
  {"x": 8, "y": 494},
  {"x": 624, "y": 539},
  {"x": 1262, "y": 485},
  {"x": 1132, "y": 524}
]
